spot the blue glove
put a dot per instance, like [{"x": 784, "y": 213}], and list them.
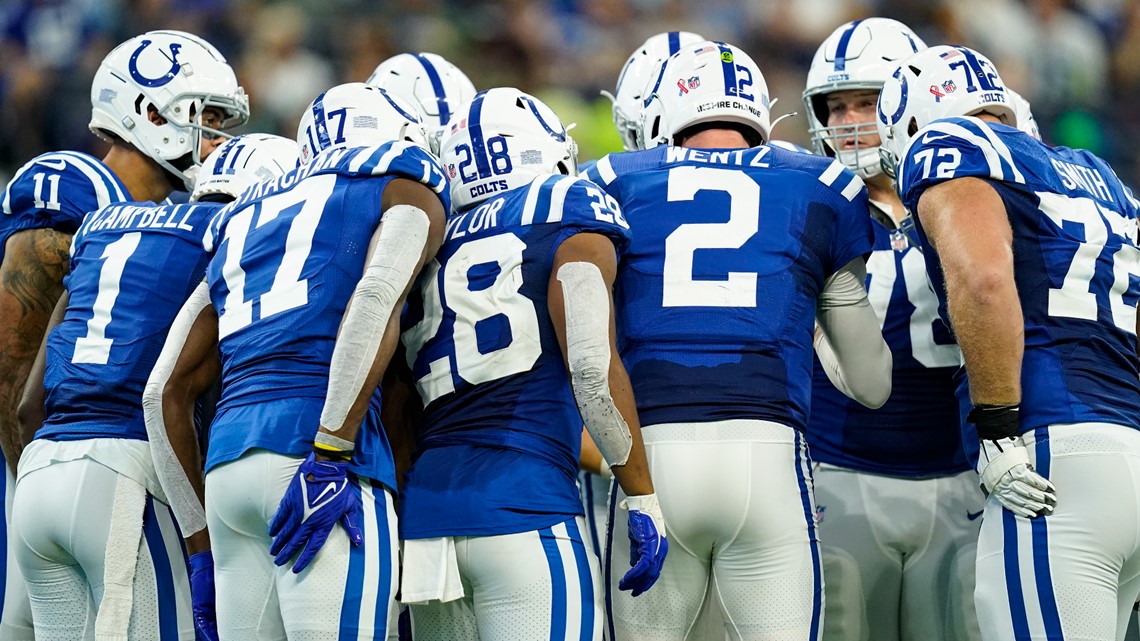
[
  {"x": 647, "y": 544},
  {"x": 202, "y": 596},
  {"x": 319, "y": 495}
]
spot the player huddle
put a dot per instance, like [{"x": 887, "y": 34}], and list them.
[{"x": 346, "y": 390}]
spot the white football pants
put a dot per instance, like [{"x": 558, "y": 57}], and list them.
[
  {"x": 344, "y": 594},
  {"x": 1074, "y": 575},
  {"x": 740, "y": 516},
  {"x": 531, "y": 586},
  {"x": 16, "y": 620},
  {"x": 62, "y": 521},
  {"x": 898, "y": 555}
]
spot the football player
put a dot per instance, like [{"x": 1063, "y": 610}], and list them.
[
  {"x": 1032, "y": 251},
  {"x": 285, "y": 464},
  {"x": 897, "y": 496},
  {"x": 510, "y": 339},
  {"x": 89, "y": 517},
  {"x": 737, "y": 248},
  {"x": 434, "y": 86},
  {"x": 159, "y": 99}
]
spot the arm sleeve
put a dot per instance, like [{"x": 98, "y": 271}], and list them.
[{"x": 850, "y": 345}]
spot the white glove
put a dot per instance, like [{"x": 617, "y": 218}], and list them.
[{"x": 1007, "y": 475}]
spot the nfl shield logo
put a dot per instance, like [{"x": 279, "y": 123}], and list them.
[
  {"x": 949, "y": 86},
  {"x": 899, "y": 241}
]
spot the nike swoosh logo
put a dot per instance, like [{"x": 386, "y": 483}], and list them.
[
  {"x": 929, "y": 138},
  {"x": 58, "y": 165},
  {"x": 973, "y": 516},
  {"x": 320, "y": 501}
]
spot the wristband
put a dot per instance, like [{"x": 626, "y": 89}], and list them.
[
  {"x": 995, "y": 422},
  {"x": 333, "y": 447}
]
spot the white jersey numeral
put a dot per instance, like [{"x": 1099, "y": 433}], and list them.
[
  {"x": 1075, "y": 298},
  {"x": 679, "y": 288},
  {"x": 884, "y": 273},
  {"x": 52, "y": 200},
  {"x": 498, "y": 297},
  {"x": 94, "y": 347},
  {"x": 303, "y": 206}
]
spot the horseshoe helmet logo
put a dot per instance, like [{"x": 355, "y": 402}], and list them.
[{"x": 159, "y": 81}]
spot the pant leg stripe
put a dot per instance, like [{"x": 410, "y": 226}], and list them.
[
  {"x": 585, "y": 581},
  {"x": 591, "y": 517},
  {"x": 163, "y": 580},
  {"x": 387, "y": 554},
  {"x": 1013, "y": 576},
  {"x": 813, "y": 537},
  {"x": 350, "y": 610},
  {"x": 557, "y": 584},
  {"x": 1040, "y": 533},
  {"x": 608, "y": 578}
]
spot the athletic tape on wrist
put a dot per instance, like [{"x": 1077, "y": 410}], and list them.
[
  {"x": 586, "y": 302},
  {"x": 400, "y": 242},
  {"x": 333, "y": 442}
]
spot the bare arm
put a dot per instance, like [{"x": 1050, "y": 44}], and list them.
[
  {"x": 597, "y": 250},
  {"x": 966, "y": 221},
  {"x": 401, "y": 412},
  {"x": 31, "y": 281},
  {"x": 32, "y": 404},
  {"x": 394, "y": 259}
]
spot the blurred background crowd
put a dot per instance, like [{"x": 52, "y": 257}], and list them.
[{"x": 1077, "y": 61}]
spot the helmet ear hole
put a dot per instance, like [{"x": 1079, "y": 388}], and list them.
[{"x": 912, "y": 128}]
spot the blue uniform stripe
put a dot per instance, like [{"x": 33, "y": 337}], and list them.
[
  {"x": 1039, "y": 528},
  {"x": 478, "y": 145},
  {"x": 591, "y": 516},
  {"x": 114, "y": 186},
  {"x": 585, "y": 580},
  {"x": 163, "y": 579},
  {"x": 674, "y": 42},
  {"x": 813, "y": 540},
  {"x": 350, "y": 611},
  {"x": 1013, "y": 576},
  {"x": 437, "y": 87},
  {"x": 384, "y": 594},
  {"x": 319, "y": 122},
  {"x": 607, "y": 584},
  {"x": 729, "y": 69},
  {"x": 369, "y": 165},
  {"x": 557, "y": 585},
  {"x": 841, "y": 48}
]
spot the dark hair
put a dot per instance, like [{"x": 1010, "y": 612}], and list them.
[{"x": 751, "y": 136}]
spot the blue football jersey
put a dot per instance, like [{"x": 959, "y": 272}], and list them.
[
  {"x": 287, "y": 256},
  {"x": 1076, "y": 263},
  {"x": 918, "y": 432},
  {"x": 498, "y": 451},
  {"x": 55, "y": 191},
  {"x": 715, "y": 298},
  {"x": 132, "y": 267}
]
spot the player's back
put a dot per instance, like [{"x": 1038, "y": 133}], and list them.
[
  {"x": 56, "y": 190},
  {"x": 715, "y": 298},
  {"x": 1076, "y": 263},
  {"x": 287, "y": 256},
  {"x": 132, "y": 267},
  {"x": 489, "y": 367}
]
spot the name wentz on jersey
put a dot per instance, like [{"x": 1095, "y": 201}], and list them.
[
  {"x": 715, "y": 298},
  {"x": 287, "y": 256},
  {"x": 55, "y": 191},
  {"x": 118, "y": 315},
  {"x": 1076, "y": 263},
  {"x": 919, "y": 429},
  {"x": 489, "y": 368}
]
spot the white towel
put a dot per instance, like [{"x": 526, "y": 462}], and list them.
[{"x": 430, "y": 571}]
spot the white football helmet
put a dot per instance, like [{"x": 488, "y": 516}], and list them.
[
  {"x": 244, "y": 161},
  {"x": 356, "y": 115},
  {"x": 939, "y": 82},
  {"x": 858, "y": 55},
  {"x": 180, "y": 75},
  {"x": 1025, "y": 120},
  {"x": 427, "y": 81},
  {"x": 501, "y": 140},
  {"x": 639, "y": 71},
  {"x": 705, "y": 83}
]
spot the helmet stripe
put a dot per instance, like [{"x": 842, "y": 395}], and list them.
[
  {"x": 656, "y": 85},
  {"x": 560, "y": 137},
  {"x": 437, "y": 87},
  {"x": 841, "y": 49},
  {"x": 674, "y": 42},
  {"x": 322, "y": 129},
  {"x": 397, "y": 107},
  {"x": 475, "y": 128},
  {"x": 728, "y": 65}
]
